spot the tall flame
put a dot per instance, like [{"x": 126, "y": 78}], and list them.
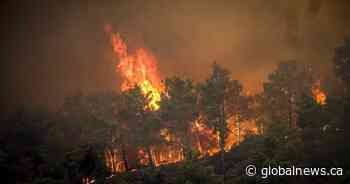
[
  {"x": 319, "y": 96},
  {"x": 138, "y": 69},
  {"x": 207, "y": 140}
]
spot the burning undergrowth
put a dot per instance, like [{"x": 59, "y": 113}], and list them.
[{"x": 139, "y": 68}]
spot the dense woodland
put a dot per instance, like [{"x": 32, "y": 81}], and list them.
[{"x": 68, "y": 146}]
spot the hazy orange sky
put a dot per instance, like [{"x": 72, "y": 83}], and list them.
[{"x": 53, "y": 50}]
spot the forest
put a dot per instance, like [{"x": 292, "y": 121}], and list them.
[{"x": 182, "y": 131}]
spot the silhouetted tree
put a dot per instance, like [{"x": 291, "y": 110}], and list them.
[
  {"x": 283, "y": 89},
  {"x": 342, "y": 62},
  {"x": 142, "y": 122},
  {"x": 220, "y": 99},
  {"x": 179, "y": 110}
]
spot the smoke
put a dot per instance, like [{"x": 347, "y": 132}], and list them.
[
  {"x": 314, "y": 7},
  {"x": 54, "y": 50}
]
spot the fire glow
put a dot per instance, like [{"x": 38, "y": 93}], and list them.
[
  {"x": 319, "y": 96},
  {"x": 140, "y": 69}
]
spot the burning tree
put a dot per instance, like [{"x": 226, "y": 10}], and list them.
[
  {"x": 137, "y": 69},
  {"x": 284, "y": 88},
  {"x": 143, "y": 124},
  {"x": 220, "y": 100},
  {"x": 179, "y": 110},
  {"x": 175, "y": 101}
]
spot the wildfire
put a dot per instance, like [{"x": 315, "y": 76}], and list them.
[
  {"x": 206, "y": 139},
  {"x": 137, "y": 69},
  {"x": 245, "y": 128},
  {"x": 319, "y": 96},
  {"x": 114, "y": 161},
  {"x": 168, "y": 153},
  {"x": 164, "y": 154},
  {"x": 140, "y": 69},
  {"x": 88, "y": 180}
]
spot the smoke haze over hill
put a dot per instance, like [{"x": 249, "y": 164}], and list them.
[{"x": 53, "y": 50}]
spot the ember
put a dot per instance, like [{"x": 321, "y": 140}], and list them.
[{"x": 140, "y": 69}]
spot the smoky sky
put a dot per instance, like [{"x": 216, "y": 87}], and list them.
[{"x": 55, "y": 49}]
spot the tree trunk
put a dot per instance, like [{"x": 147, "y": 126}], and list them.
[
  {"x": 187, "y": 147},
  {"x": 222, "y": 139},
  {"x": 261, "y": 128},
  {"x": 238, "y": 125},
  {"x": 150, "y": 160},
  {"x": 222, "y": 152},
  {"x": 188, "y": 152},
  {"x": 239, "y": 132},
  {"x": 124, "y": 156}
]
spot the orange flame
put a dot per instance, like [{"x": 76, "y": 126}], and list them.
[
  {"x": 114, "y": 161},
  {"x": 207, "y": 142},
  {"x": 161, "y": 155},
  {"x": 319, "y": 96},
  {"x": 246, "y": 128},
  {"x": 88, "y": 180},
  {"x": 138, "y": 69}
]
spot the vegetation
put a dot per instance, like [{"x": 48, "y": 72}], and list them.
[{"x": 68, "y": 146}]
